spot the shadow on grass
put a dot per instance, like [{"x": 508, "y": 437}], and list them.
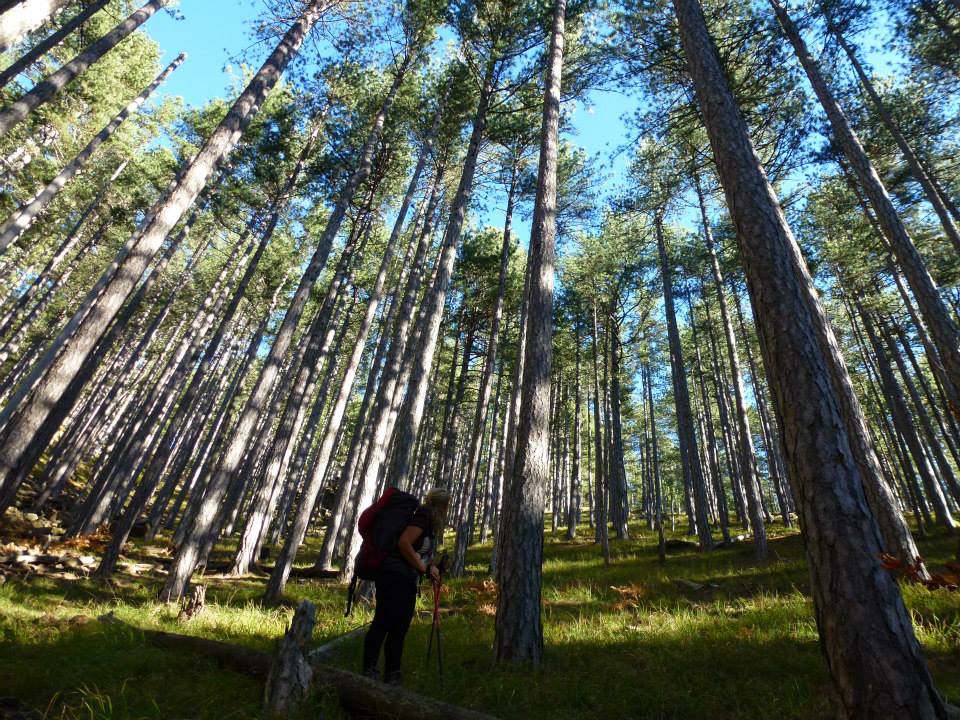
[
  {"x": 633, "y": 639},
  {"x": 107, "y": 671}
]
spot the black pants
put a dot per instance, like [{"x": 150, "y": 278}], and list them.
[{"x": 396, "y": 601}]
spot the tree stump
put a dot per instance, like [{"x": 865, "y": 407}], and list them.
[
  {"x": 290, "y": 677},
  {"x": 194, "y": 604}
]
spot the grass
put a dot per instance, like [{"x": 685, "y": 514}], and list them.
[{"x": 624, "y": 640}]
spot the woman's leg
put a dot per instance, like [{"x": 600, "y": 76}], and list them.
[
  {"x": 404, "y": 603},
  {"x": 373, "y": 640}
]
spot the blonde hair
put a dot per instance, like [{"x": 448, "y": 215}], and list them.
[{"x": 437, "y": 502}]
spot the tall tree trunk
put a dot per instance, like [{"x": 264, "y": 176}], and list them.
[
  {"x": 729, "y": 436},
  {"x": 21, "y": 219},
  {"x": 49, "y": 88},
  {"x": 27, "y": 431},
  {"x": 298, "y": 529},
  {"x": 876, "y": 385},
  {"x": 920, "y": 413},
  {"x": 903, "y": 420},
  {"x": 686, "y": 433},
  {"x": 617, "y": 470},
  {"x": 420, "y": 355},
  {"x": 13, "y": 317},
  {"x": 723, "y": 511},
  {"x": 510, "y": 425},
  {"x": 655, "y": 464},
  {"x": 187, "y": 402},
  {"x": 599, "y": 508},
  {"x": 188, "y": 554},
  {"x": 913, "y": 162},
  {"x": 877, "y": 665},
  {"x": 934, "y": 311},
  {"x": 573, "y": 516},
  {"x": 465, "y": 529},
  {"x": 518, "y": 629},
  {"x": 24, "y": 17},
  {"x": 374, "y": 436},
  {"x": 447, "y": 455},
  {"x": 47, "y": 44},
  {"x": 748, "y": 466},
  {"x": 771, "y": 439}
]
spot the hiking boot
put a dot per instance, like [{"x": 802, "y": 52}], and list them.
[
  {"x": 394, "y": 677},
  {"x": 372, "y": 672}
]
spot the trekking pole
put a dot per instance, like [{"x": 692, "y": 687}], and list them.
[{"x": 435, "y": 625}]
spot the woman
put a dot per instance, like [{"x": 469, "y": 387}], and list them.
[{"x": 396, "y": 585}]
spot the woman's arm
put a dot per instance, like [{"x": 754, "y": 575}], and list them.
[{"x": 405, "y": 545}]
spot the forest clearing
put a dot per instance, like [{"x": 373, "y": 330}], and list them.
[{"x": 624, "y": 334}]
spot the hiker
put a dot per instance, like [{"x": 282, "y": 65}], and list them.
[{"x": 396, "y": 583}]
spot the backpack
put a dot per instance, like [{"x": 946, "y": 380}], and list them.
[{"x": 380, "y": 526}]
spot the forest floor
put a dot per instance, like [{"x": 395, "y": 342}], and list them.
[{"x": 702, "y": 636}]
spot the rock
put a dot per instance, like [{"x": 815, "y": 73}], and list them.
[
  {"x": 87, "y": 560},
  {"x": 31, "y": 517}
]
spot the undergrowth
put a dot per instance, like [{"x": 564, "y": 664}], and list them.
[{"x": 713, "y": 635}]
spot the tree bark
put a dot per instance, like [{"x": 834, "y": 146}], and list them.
[
  {"x": 617, "y": 469},
  {"x": 877, "y": 666},
  {"x": 599, "y": 509},
  {"x": 686, "y": 433},
  {"x": 465, "y": 529},
  {"x": 298, "y": 530},
  {"x": 518, "y": 629},
  {"x": 14, "y": 318},
  {"x": 24, "y": 17},
  {"x": 573, "y": 515},
  {"x": 748, "y": 466},
  {"x": 913, "y": 162},
  {"x": 421, "y": 353},
  {"x": 903, "y": 420},
  {"x": 655, "y": 464}
]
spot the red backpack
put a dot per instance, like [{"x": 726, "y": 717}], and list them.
[{"x": 380, "y": 526}]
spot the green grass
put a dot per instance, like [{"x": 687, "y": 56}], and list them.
[{"x": 624, "y": 640}]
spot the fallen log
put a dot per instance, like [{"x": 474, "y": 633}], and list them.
[
  {"x": 228, "y": 655},
  {"x": 368, "y": 697},
  {"x": 322, "y": 653},
  {"x": 355, "y": 692},
  {"x": 313, "y": 573}
]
